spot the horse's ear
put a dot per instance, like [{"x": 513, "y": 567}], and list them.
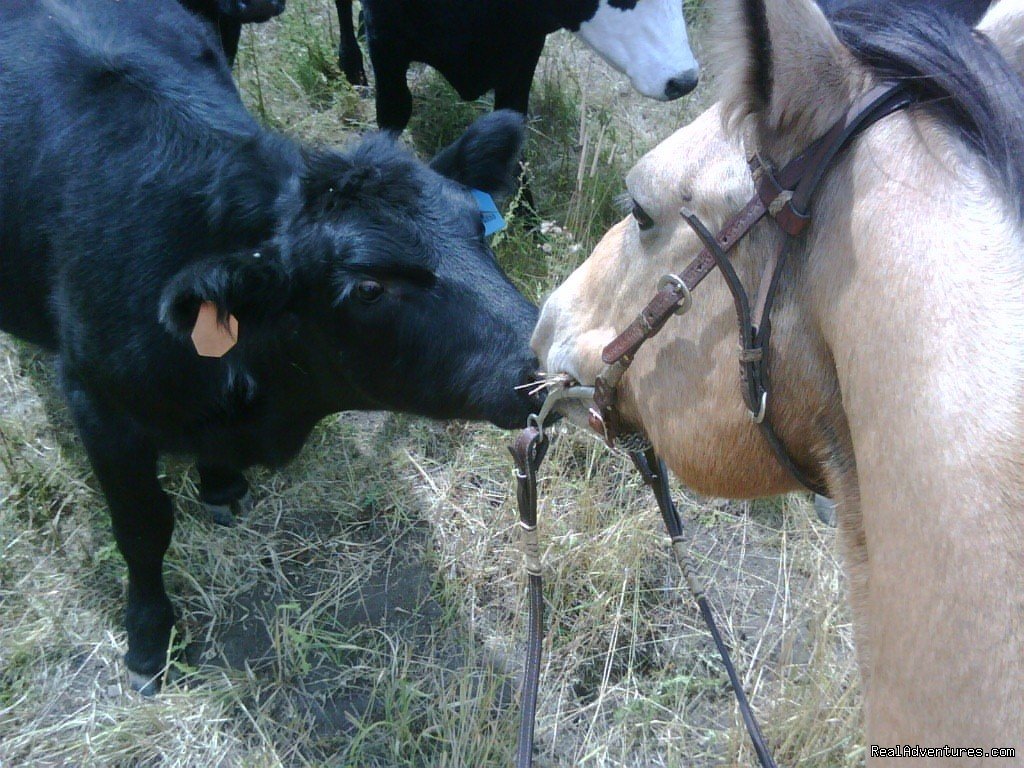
[
  {"x": 782, "y": 65},
  {"x": 1004, "y": 26}
]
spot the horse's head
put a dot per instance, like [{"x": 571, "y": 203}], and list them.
[
  {"x": 682, "y": 387},
  {"x": 787, "y": 76},
  {"x": 683, "y": 390}
]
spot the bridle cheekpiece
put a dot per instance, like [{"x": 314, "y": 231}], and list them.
[{"x": 784, "y": 196}]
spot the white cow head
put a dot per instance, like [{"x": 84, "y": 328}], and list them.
[{"x": 646, "y": 40}]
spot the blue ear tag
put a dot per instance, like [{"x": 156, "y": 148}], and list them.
[{"x": 489, "y": 212}]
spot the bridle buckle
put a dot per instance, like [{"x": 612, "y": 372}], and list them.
[{"x": 675, "y": 280}]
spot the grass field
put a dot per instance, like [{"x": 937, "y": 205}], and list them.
[{"x": 369, "y": 611}]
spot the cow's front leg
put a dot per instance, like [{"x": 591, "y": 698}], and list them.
[
  {"x": 516, "y": 95},
  {"x": 230, "y": 34},
  {"x": 350, "y": 58},
  {"x": 125, "y": 464},
  {"x": 393, "y": 98},
  {"x": 224, "y": 493}
]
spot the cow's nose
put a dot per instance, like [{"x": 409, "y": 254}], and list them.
[
  {"x": 682, "y": 84},
  {"x": 532, "y": 387}
]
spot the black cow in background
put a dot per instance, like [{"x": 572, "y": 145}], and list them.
[
  {"x": 480, "y": 45},
  {"x": 228, "y": 16},
  {"x": 142, "y": 207}
]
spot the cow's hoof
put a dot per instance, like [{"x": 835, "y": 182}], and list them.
[
  {"x": 147, "y": 685},
  {"x": 244, "y": 505},
  {"x": 221, "y": 514},
  {"x": 357, "y": 79},
  {"x": 825, "y": 509},
  {"x": 227, "y": 514}
]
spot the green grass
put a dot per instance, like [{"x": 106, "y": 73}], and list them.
[
  {"x": 370, "y": 610},
  {"x": 439, "y": 117}
]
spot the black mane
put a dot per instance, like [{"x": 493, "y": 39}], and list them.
[{"x": 952, "y": 71}]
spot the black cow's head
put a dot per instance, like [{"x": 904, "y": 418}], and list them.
[
  {"x": 381, "y": 285},
  {"x": 247, "y": 11}
]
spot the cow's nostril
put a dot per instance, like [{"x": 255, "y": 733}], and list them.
[
  {"x": 682, "y": 84},
  {"x": 531, "y": 386}
]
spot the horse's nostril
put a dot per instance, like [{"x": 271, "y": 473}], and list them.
[{"x": 682, "y": 84}]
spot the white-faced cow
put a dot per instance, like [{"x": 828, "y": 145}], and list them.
[
  {"x": 480, "y": 45},
  {"x": 142, "y": 206},
  {"x": 228, "y": 16}
]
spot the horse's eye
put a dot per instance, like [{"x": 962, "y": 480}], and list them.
[
  {"x": 643, "y": 219},
  {"x": 369, "y": 291}
]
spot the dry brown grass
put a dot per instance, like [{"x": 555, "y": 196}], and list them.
[{"x": 369, "y": 611}]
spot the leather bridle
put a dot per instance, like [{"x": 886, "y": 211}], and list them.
[{"x": 784, "y": 196}]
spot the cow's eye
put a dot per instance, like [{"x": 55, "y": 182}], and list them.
[
  {"x": 643, "y": 219},
  {"x": 369, "y": 291}
]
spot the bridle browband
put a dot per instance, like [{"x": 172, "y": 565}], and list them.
[{"x": 785, "y": 196}]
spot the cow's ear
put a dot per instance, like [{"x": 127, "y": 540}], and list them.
[
  {"x": 223, "y": 296},
  {"x": 486, "y": 156}
]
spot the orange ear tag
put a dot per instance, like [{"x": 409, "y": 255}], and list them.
[{"x": 211, "y": 337}]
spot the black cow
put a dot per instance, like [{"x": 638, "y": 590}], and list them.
[
  {"x": 140, "y": 203},
  {"x": 228, "y": 16},
  {"x": 479, "y": 45}
]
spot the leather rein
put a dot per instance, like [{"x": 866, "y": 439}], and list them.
[{"x": 785, "y": 196}]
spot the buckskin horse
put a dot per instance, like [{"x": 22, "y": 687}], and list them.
[{"x": 897, "y": 357}]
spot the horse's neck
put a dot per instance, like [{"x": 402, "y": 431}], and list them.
[{"x": 917, "y": 285}]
